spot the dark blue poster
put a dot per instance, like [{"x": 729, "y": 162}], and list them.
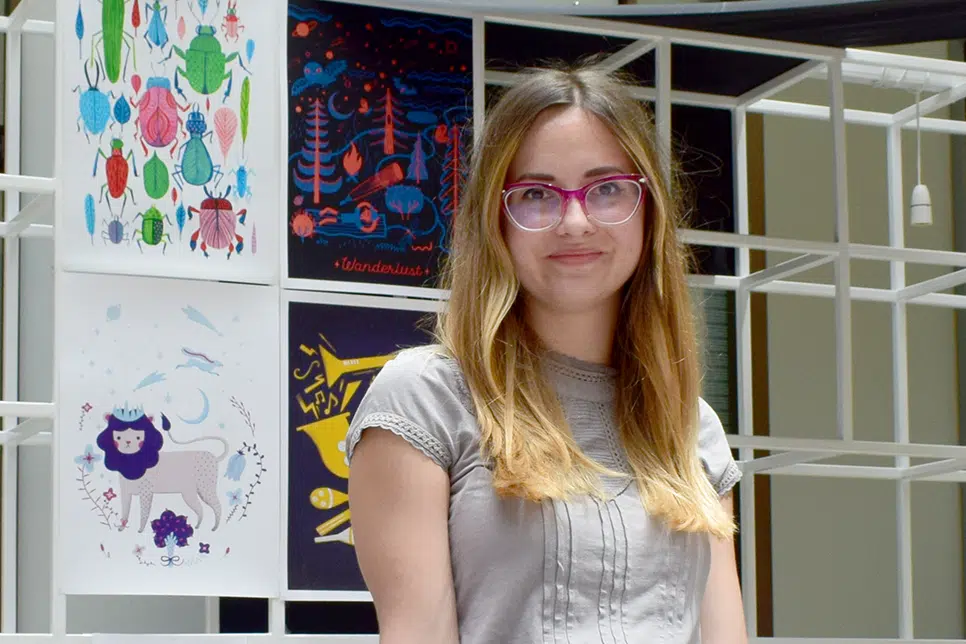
[
  {"x": 380, "y": 102},
  {"x": 334, "y": 352}
]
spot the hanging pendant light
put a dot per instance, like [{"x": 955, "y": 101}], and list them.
[{"x": 920, "y": 207}]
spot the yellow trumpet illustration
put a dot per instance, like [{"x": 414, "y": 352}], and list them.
[
  {"x": 336, "y": 368},
  {"x": 329, "y": 433}
]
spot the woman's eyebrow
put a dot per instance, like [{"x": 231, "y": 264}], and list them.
[{"x": 594, "y": 172}]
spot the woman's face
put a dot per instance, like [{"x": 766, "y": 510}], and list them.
[{"x": 578, "y": 265}]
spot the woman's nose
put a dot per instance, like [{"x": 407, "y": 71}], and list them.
[{"x": 575, "y": 220}]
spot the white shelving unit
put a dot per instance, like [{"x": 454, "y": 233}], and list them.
[{"x": 941, "y": 82}]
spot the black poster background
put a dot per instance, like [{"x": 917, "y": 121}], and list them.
[
  {"x": 347, "y": 333},
  {"x": 380, "y": 102}
]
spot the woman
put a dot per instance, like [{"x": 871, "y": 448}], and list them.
[{"x": 547, "y": 472}]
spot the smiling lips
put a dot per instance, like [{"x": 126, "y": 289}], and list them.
[{"x": 576, "y": 256}]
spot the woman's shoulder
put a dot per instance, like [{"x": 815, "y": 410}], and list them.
[
  {"x": 420, "y": 395},
  {"x": 427, "y": 370}
]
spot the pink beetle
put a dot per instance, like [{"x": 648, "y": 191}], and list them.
[
  {"x": 216, "y": 224},
  {"x": 158, "y": 117}
]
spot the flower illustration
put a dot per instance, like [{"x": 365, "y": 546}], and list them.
[
  {"x": 234, "y": 496},
  {"x": 203, "y": 548},
  {"x": 236, "y": 466},
  {"x": 88, "y": 459},
  {"x": 138, "y": 551},
  {"x": 110, "y": 495}
]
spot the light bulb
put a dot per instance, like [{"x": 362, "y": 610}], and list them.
[{"x": 920, "y": 210}]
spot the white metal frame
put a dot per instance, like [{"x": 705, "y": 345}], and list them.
[{"x": 944, "y": 82}]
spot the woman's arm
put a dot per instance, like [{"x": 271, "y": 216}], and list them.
[
  {"x": 400, "y": 523},
  {"x": 722, "y": 617}
]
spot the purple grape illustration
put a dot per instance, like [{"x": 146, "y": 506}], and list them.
[{"x": 171, "y": 530}]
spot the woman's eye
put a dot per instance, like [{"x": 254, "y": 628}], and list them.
[
  {"x": 608, "y": 189},
  {"x": 535, "y": 194}
]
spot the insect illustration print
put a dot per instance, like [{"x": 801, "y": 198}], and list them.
[
  {"x": 114, "y": 231},
  {"x": 95, "y": 106},
  {"x": 152, "y": 229},
  {"x": 205, "y": 64},
  {"x": 113, "y": 38},
  {"x": 158, "y": 120},
  {"x": 216, "y": 224},
  {"x": 156, "y": 34},
  {"x": 196, "y": 167},
  {"x": 117, "y": 169},
  {"x": 231, "y": 27},
  {"x": 162, "y": 94},
  {"x": 242, "y": 186}
]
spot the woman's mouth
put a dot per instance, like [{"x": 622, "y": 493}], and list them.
[{"x": 575, "y": 257}]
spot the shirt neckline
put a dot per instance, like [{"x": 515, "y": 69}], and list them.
[{"x": 580, "y": 379}]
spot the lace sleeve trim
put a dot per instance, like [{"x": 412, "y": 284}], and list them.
[
  {"x": 405, "y": 429},
  {"x": 729, "y": 479}
]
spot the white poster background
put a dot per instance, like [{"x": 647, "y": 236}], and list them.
[{"x": 205, "y": 357}]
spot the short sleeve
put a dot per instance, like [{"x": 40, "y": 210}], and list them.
[
  {"x": 714, "y": 451},
  {"x": 415, "y": 397}
]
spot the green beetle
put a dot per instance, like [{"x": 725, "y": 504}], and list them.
[
  {"x": 205, "y": 63},
  {"x": 152, "y": 229}
]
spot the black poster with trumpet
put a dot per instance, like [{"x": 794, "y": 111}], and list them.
[{"x": 333, "y": 354}]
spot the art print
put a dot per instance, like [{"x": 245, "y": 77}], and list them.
[
  {"x": 380, "y": 103},
  {"x": 170, "y": 138},
  {"x": 168, "y": 443},
  {"x": 334, "y": 351}
]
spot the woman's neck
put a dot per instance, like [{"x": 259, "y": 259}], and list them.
[{"x": 587, "y": 335}]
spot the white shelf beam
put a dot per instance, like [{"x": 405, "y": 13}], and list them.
[{"x": 627, "y": 55}]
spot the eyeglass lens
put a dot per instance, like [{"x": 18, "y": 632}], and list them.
[{"x": 538, "y": 207}]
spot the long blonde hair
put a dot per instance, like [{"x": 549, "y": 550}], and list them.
[{"x": 523, "y": 429}]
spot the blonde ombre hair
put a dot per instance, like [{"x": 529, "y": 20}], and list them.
[{"x": 523, "y": 429}]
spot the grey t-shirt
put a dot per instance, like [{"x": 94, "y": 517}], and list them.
[{"x": 554, "y": 572}]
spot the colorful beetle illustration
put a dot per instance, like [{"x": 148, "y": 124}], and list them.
[
  {"x": 157, "y": 32},
  {"x": 158, "y": 116},
  {"x": 117, "y": 169},
  {"x": 151, "y": 231},
  {"x": 95, "y": 106},
  {"x": 114, "y": 231},
  {"x": 216, "y": 224},
  {"x": 113, "y": 37},
  {"x": 205, "y": 63},
  {"x": 230, "y": 25},
  {"x": 196, "y": 167},
  {"x": 242, "y": 187}
]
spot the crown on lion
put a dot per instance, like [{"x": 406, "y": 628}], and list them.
[{"x": 128, "y": 414}]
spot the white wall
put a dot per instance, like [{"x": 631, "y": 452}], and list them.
[
  {"x": 834, "y": 541},
  {"x": 84, "y": 614}
]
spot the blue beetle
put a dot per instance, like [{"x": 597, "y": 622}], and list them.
[
  {"x": 242, "y": 187},
  {"x": 196, "y": 167},
  {"x": 95, "y": 105},
  {"x": 157, "y": 32},
  {"x": 115, "y": 231}
]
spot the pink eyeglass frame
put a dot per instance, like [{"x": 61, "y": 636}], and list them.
[{"x": 580, "y": 194}]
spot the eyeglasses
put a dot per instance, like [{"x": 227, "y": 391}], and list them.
[{"x": 610, "y": 201}]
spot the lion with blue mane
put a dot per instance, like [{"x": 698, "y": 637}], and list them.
[{"x": 133, "y": 447}]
